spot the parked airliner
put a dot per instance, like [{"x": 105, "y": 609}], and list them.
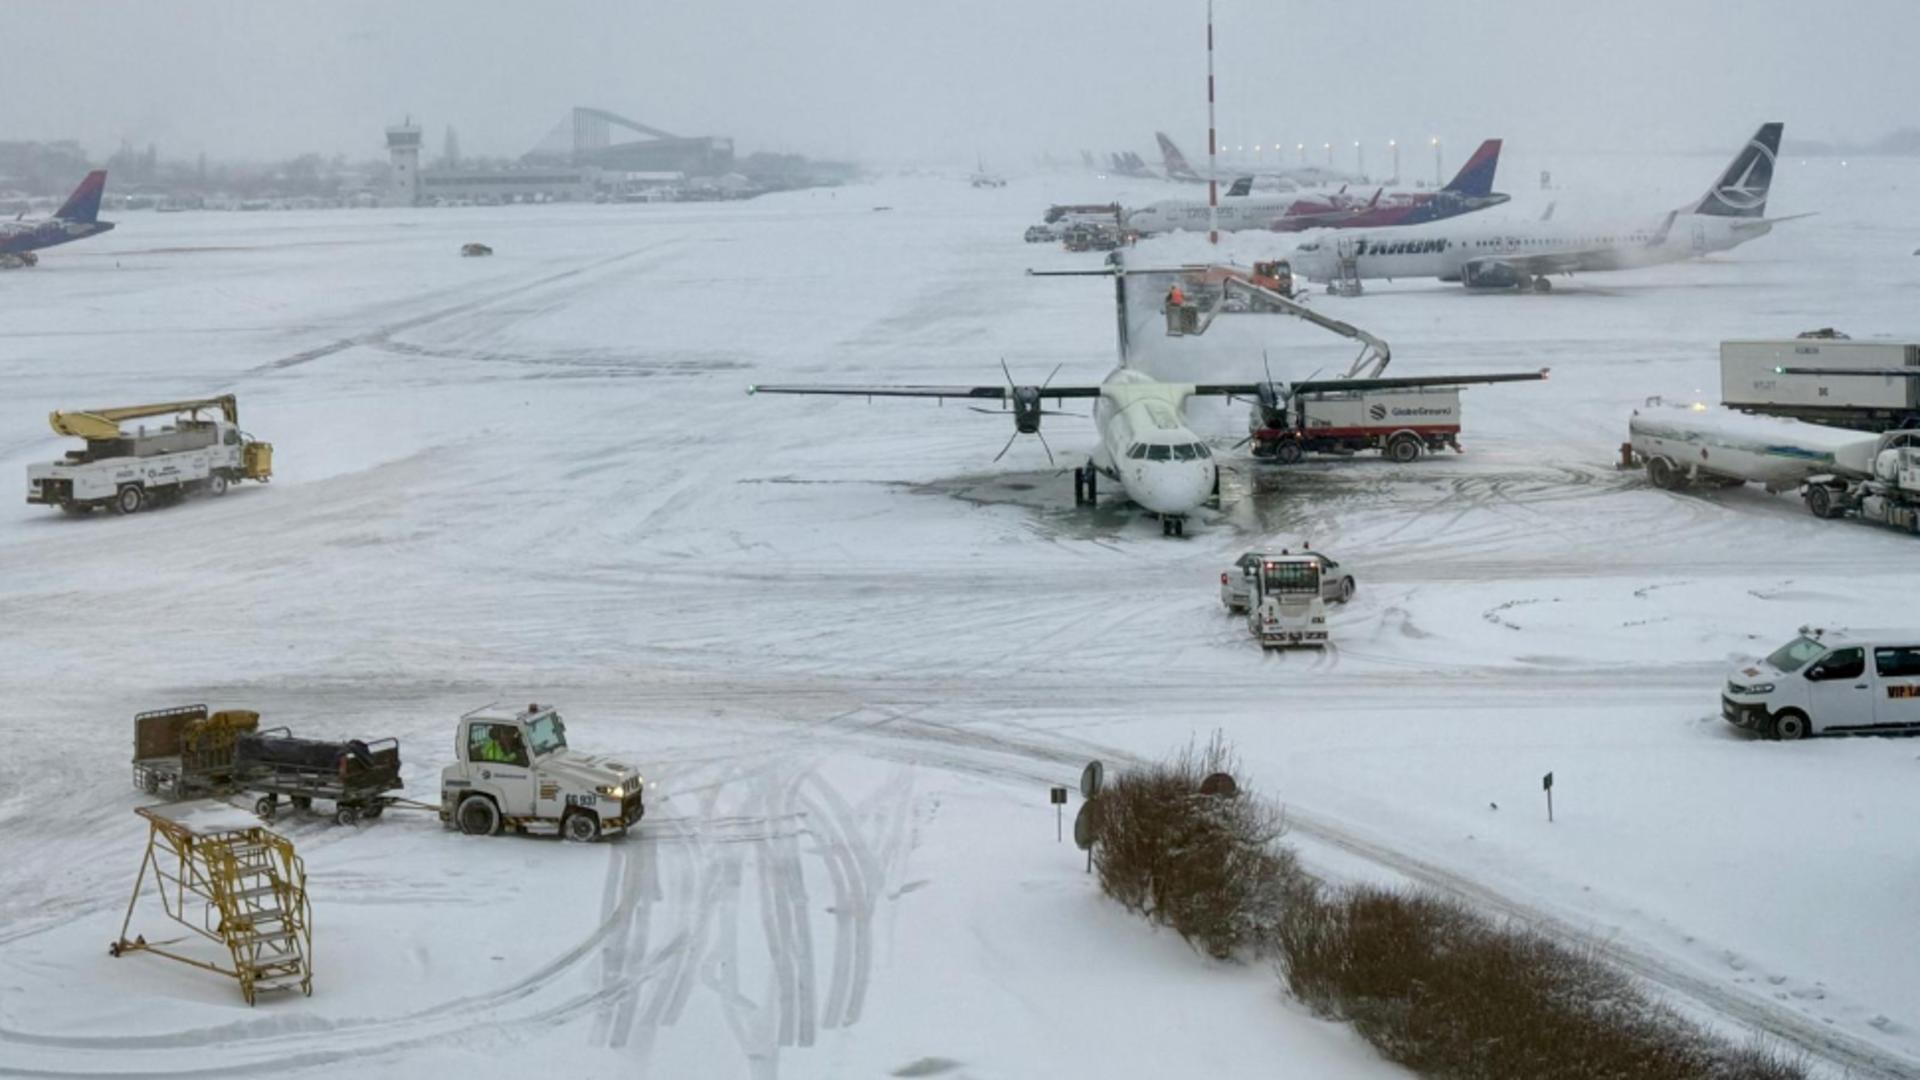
[
  {"x": 1145, "y": 443},
  {"x": 1521, "y": 255},
  {"x": 1471, "y": 189},
  {"x": 77, "y": 219}
]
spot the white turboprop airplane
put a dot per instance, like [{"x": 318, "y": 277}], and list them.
[
  {"x": 1521, "y": 256},
  {"x": 1145, "y": 443}
]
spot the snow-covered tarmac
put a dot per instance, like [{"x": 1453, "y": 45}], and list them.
[{"x": 851, "y": 653}]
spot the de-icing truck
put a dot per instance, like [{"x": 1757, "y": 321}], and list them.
[{"x": 130, "y": 471}]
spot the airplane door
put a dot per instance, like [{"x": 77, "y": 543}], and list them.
[
  {"x": 1699, "y": 238},
  {"x": 1840, "y": 694},
  {"x": 1896, "y": 699}
]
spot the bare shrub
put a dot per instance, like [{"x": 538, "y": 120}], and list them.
[
  {"x": 1450, "y": 994},
  {"x": 1205, "y": 865}
]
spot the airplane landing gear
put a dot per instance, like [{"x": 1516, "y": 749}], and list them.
[
  {"x": 1173, "y": 526},
  {"x": 1086, "y": 485},
  {"x": 1541, "y": 284}
]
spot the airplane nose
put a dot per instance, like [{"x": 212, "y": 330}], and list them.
[{"x": 1176, "y": 487}]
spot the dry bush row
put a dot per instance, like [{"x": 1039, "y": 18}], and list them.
[{"x": 1432, "y": 985}]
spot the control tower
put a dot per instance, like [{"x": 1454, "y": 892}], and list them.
[{"x": 403, "y": 145}]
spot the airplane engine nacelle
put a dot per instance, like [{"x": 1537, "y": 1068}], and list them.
[
  {"x": 1490, "y": 276},
  {"x": 1026, "y": 410}
]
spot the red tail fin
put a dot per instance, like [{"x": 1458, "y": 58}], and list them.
[{"x": 84, "y": 203}]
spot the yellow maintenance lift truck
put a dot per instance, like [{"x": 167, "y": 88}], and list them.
[{"x": 131, "y": 470}]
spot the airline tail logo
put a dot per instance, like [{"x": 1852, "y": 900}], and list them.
[
  {"x": 84, "y": 204},
  {"x": 1475, "y": 178},
  {"x": 1742, "y": 189},
  {"x": 1173, "y": 159}
]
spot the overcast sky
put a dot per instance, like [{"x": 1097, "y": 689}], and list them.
[{"x": 894, "y": 80}]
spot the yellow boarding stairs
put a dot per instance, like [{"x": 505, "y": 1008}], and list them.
[{"x": 234, "y": 883}]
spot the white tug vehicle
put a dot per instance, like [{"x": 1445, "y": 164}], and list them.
[
  {"x": 130, "y": 471},
  {"x": 1285, "y": 606},
  {"x": 514, "y": 770}
]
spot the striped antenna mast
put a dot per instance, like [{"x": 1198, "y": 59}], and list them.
[{"x": 1213, "y": 174}]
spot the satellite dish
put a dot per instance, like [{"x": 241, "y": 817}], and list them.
[
  {"x": 1092, "y": 778},
  {"x": 1219, "y": 784},
  {"x": 1086, "y": 825}
]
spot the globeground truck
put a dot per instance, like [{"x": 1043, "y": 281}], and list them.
[
  {"x": 514, "y": 770},
  {"x": 131, "y": 471}
]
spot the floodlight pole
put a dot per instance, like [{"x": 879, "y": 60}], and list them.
[{"x": 1213, "y": 175}]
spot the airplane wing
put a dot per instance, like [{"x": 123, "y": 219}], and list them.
[
  {"x": 1002, "y": 392},
  {"x": 1399, "y": 382}
]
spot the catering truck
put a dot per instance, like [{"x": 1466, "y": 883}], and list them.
[
  {"x": 132, "y": 470},
  {"x": 1826, "y": 377}
]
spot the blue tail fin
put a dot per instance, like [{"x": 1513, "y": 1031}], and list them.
[
  {"x": 1476, "y": 176},
  {"x": 84, "y": 203},
  {"x": 1742, "y": 190}
]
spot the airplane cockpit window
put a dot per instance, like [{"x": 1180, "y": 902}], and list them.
[
  {"x": 1201, "y": 448},
  {"x": 1137, "y": 451},
  {"x": 1183, "y": 452},
  {"x": 1159, "y": 452}
]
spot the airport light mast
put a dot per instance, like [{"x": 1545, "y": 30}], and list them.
[{"x": 1213, "y": 174}]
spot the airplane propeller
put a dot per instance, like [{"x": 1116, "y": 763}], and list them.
[{"x": 1027, "y": 407}]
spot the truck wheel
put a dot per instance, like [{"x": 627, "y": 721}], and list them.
[
  {"x": 264, "y": 807},
  {"x": 478, "y": 816},
  {"x": 1288, "y": 452},
  {"x": 1820, "y": 501},
  {"x": 1403, "y": 449},
  {"x": 129, "y": 500},
  {"x": 1790, "y": 724},
  {"x": 1346, "y": 590},
  {"x": 374, "y": 811},
  {"x": 301, "y": 802},
  {"x": 1662, "y": 474},
  {"x": 580, "y": 826},
  {"x": 346, "y": 815},
  {"x": 217, "y": 484}
]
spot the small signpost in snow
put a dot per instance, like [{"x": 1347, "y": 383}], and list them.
[
  {"x": 1086, "y": 825},
  {"x": 1546, "y": 785},
  {"x": 1059, "y": 813}
]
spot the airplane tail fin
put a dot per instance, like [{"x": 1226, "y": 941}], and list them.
[
  {"x": 1475, "y": 178},
  {"x": 1741, "y": 191},
  {"x": 84, "y": 203},
  {"x": 1241, "y": 186},
  {"x": 1173, "y": 160}
]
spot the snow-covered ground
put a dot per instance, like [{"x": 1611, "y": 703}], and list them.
[{"x": 852, "y": 653}]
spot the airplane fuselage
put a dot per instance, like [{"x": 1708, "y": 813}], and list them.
[
  {"x": 1445, "y": 253},
  {"x": 1191, "y": 215},
  {"x": 19, "y": 237},
  {"x": 1145, "y": 444},
  {"x": 1401, "y": 210}
]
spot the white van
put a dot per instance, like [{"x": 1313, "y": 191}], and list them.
[{"x": 1829, "y": 681}]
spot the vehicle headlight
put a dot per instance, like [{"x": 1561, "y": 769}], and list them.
[
  {"x": 612, "y": 791},
  {"x": 1756, "y": 688}
]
